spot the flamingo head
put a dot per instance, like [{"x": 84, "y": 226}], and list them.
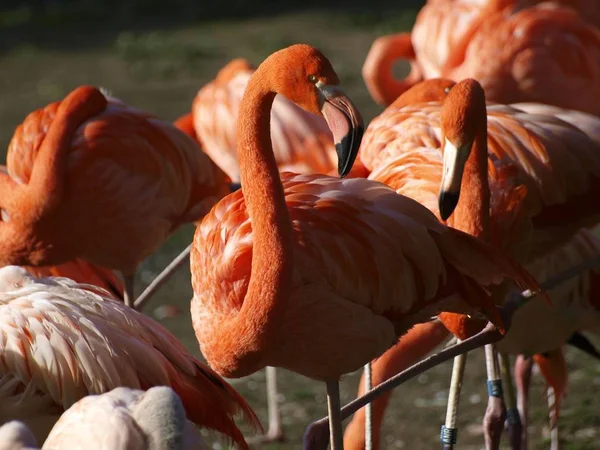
[
  {"x": 462, "y": 116},
  {"x": 303, "y": 75}
]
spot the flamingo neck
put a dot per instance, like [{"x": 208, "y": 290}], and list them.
[
  {"x": 472, "y": 214},
  {"x": 47, "y": 176},
  {"x": 259, "y": 318},
  {"x": 378, "y": 72}
]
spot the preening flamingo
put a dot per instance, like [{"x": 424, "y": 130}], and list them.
[
  {"x": 302, "y": 141},
  {"x": 92, "y": 178},
  {"x": 536, "y": 328},
  {"x": 277, "y": 276},
  {"x": 61, "y": 341},
  {"x": 545, "y": 53},
  {"x": 120, "y": 419}
]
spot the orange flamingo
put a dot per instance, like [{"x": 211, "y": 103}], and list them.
[
  {"x": 403, "y": 148},
  {"x": 63, "y": 341},
  {"x": 121, "y": 179},
  {"x": 274, "y": 270},
  {"x": 544, "y": 53},
  {"x": 302, "y": 142}
]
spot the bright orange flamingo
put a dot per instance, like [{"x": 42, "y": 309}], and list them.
[
  {"x": 536, "y": 328},
  {"x": 545, "y": 53},
  {"x": 121, "y": 179},
  {"x": 302, "y": 142},
  {"x": 403, "y": 146},
  {"x": 275, "y": 272},
  {"x": 63, "y": 341}
]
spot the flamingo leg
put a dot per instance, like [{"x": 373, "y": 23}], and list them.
[
  {"x": 129, "y": 281},
  {"x": 162, "y": 278},
  {"x": 554, "y": 439},
  {"x": 523, "y": 367},
  {"x": 512, "y": 413},
  {"x": 335, "y": 417},
  {"x": 368, "y": 371},
  {"x": 275, "y": 432},
  {"x": 448, "y": 433},
  {"x": 315, "y": 436},
  {"x": 495, "y": 414}
]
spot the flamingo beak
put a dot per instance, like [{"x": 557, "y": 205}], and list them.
[
  {"x": 454, "y": 160},
  {"x": 345, "y": 123}
]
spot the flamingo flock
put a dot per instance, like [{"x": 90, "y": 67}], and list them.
[{"x": 321, "y": 245}]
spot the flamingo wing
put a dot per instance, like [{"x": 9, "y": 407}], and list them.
[{"x": 369, "y": 260}]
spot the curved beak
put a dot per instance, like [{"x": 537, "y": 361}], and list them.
[
  {"x": 345, "y": 123},
  {"x": 454, "y": 161}
]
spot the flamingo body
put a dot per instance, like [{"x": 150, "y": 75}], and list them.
[
  {"x": 61, "y": 341},
  {"x": 372, "y": 300},
  {"x": 124, "y": 182}
]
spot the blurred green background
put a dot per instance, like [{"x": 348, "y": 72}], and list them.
[{"x": 155, "y": 55}]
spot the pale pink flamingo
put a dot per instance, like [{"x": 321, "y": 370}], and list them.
[
  {"x": 119, "y": 419},
  {"x": 61, "y": 341}
]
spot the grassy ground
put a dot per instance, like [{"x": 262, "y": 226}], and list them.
[{"x": 157, "y": 62}]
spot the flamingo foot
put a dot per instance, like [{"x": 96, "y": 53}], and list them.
[{"x": 493, "y": 422}]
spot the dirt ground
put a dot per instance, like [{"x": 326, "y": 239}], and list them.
[{"x": 159, "y": 68}]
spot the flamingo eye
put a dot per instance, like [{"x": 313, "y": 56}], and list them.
[
  {"x": 312, "y": 78},
  {"x": 446, "y": 90}
]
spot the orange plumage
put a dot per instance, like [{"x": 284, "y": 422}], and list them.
[
  {"x": 518, "y": 50},
  {"x": 93, "y": 178}
]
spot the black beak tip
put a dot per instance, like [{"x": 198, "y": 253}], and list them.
[
  {"x": 447, "y": 204},
  {"x": 347, "y": 150}
]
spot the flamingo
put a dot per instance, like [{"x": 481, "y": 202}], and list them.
[
  {"x": 120, "y": 419},
  {"x": 275, "y": 268},
  {"x": 121, "y": 179},
  {"x": 403, "y": 144},
  {"x": 302, "y": 141},
  {"x": 575, "y": 307},
  {"x": 545, "y": 53},
  {"x": 61, "y": 341}
]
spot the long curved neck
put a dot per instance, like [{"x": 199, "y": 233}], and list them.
[
  {"x": 272, "y": 254},
  {"x": 47, "y": 176},
  {"x": 472, "y": 213},
  {"x": 378, "y": 69}
]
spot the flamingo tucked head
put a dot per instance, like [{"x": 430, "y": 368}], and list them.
[
  {"x": 463, "y": 117},
  {"x": 313, "y": 85}
]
